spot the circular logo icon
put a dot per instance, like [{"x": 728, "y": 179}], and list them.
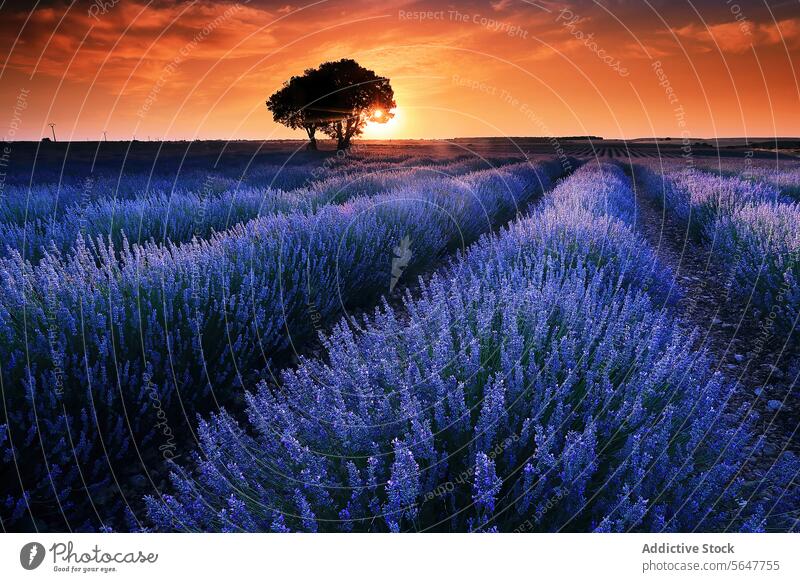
[{"x": 31, "y": 555}]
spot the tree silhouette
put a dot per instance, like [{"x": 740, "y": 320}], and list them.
[
  {"x": 337, "y": 98},
  {"x": 290, "y": 106}
]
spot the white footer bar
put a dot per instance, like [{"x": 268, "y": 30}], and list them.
[{"x": 401, "y": 558}]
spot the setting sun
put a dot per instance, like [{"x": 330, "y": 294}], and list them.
[{"x": 380, "y": 128}]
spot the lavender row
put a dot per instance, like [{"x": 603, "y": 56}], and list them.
[
  {"x": 781, "y": 174},
  {"x": 110, "y": 353},
  {"x": 535, "y": 386},
  {"x": 49, "y": 202},
  {"x": 751, "y": 228},
  {"x": 179, "y": 217}
]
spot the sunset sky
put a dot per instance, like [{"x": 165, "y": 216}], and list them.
[{"x": 202, "y": 70}]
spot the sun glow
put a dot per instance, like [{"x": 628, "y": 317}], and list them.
[{"x": 379, "y": 128}]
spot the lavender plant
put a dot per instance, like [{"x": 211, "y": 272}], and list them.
[
  {"x": 751, "y": 228},
  {"x": 110, "y": 352},
  {"x": 765, "y": 239},
  {"x": 213, "y": 205},
  {"x": 534, "y": 385}
]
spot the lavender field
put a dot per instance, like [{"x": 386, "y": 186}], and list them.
[{"x": 404, "y": 339}]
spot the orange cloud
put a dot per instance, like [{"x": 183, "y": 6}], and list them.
[
  {"x": 215, "y": 63},
  {"x": 741, "y": 36}
]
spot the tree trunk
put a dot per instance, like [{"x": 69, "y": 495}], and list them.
[
  {"x": 312, "y": 141},
  {"x": 340, "y": 141},
  {"x": 347, "y": 134}
]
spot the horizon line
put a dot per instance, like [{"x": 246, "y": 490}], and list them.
[{"x": 46, "y": 139}]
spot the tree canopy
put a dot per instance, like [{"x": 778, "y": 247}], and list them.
[{"x": 337, "y": 98}]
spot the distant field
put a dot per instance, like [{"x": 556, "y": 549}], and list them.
[{"x": 51, "y": 161}]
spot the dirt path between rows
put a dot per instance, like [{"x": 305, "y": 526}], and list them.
[{"x": 763, "y": 367}]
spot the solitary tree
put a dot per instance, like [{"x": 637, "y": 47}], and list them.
[{"x": 337, "y": 98}]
